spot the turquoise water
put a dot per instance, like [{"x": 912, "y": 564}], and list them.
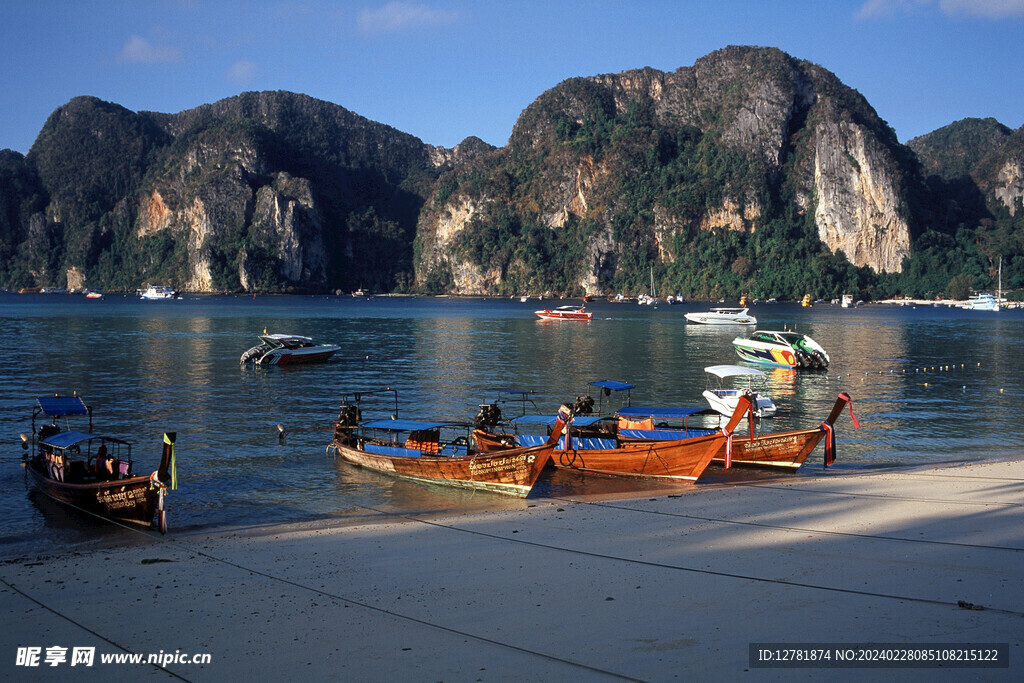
[{"x": 929, "y": 385}]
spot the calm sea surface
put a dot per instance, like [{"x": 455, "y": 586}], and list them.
[{"x": 930, "y": 385}]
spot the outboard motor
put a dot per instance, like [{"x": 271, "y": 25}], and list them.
[
  {"x": 47, "y": 430},
  {"x": 584, "y": 405},
  {"x": 488, "y": 417},
  {"x": 348, "y": 419}
]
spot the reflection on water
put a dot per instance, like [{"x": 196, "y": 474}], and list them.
[{"x": 929, "y": 385}]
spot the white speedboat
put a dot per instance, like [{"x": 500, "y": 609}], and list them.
[
  {"x": 158, "y": 292},
  {"x": 722, "y": 316},
  {"x": 287, "y": 349},
  {"x": 784, "y": 349},
  {"x": 724, "y": 399}
]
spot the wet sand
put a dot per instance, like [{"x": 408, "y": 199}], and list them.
[{"x": 667, "y": 585}]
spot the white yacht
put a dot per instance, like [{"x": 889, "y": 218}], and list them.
[{"x": 722, "y": 316}]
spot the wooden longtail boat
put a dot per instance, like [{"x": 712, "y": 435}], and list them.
[
  {"x": 93, "y": 472},
  {"x": 786, "y": 450},
  {"x": 789, "y": 449},
  {"x": 682, "y": 459},
  {"x": 423, "y": 451}
]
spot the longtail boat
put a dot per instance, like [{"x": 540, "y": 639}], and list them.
[
  {"x": 591, "y": 449},
  {"x": 92, "y": 472},
  {"x": 779, "y": 449},
  {"x": 426, "y": 451}
]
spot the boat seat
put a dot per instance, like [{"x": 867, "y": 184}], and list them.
[{"x": 391, "y": 450}]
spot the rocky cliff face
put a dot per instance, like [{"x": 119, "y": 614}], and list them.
[
  {"x": 730, "y": 175},
  {"x": 856, "y": 196},
  {"x": 754, "y": 123}
]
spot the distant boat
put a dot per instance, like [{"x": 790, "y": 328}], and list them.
[
  {"x": 565, "y": 313},
  {"x": 288, "y": 349},
  {"x": 157, "y": 292},
  {"x": 847, "y": 300},
  {"x": 722, "y": 316}
]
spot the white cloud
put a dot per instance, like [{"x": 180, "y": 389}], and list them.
[
  {"x": 396, "y": 16},
  {"x": 140, "y": 50},
  {"x": 242, "y": 72},
  {"x": 985, "y": 9}
]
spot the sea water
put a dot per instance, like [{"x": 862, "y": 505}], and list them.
[{"x": 929, "y": 385}]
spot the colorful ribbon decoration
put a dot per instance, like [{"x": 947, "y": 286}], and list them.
[
  {"x": 830, "y": 443},
  {"x": 849, "y": 404},
  {"x": 728, "y": 448}
]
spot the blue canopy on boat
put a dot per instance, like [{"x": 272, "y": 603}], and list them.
[
  {"x": 68, "y": 439},
  {"x": 407, "y": 425},
  {"x": 659, "y": 412},
  {"x": 548, "y": 420},
  {"x": 612, "y": 384},
  {"x": 59, "y": 406}
]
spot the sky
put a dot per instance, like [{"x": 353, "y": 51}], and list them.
[{"x": 444, "y": 70}]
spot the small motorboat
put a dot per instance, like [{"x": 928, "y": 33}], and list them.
[
  {"x": 92, "y": 472},
  {"x": 565, "y": 313},
  {"x": 784, "y": 349},
  {"x": 724, "y": 399},
  {"x": 722, "y": 316},
  {"x": 287, "y": 349}
]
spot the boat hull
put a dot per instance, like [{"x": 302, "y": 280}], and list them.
[
  {"x": 132, "y": 500},
  {"x": 559, "y": 315},
  {"x": 721, "y": 318},
  {"x": 754, "y": 352},
  {"x": 786, "y": 450},
  {"x": 724, "y": 401},
  {"x": 511, "y": 472},
  {"x": 314, "y": 354},
  {"x": 682, "y": 460}
]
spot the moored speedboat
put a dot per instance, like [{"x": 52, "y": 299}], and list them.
[
  {"x": 92, "y": 472},
  {"x": 287, "y": 349},
  {"x": 722, "y": 316},
  {"x": 724, "y": 399},
  {"x": 784, "y": 349},
  {"x": 565, "y": 313}
]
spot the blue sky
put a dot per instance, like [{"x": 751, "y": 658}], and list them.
[{"x": 446, "y": 69}]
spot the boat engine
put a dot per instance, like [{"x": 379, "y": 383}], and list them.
[
  {"x": 584, "y": 405},
  {"x": 488, "y": 417},
  {"x": 348, "y": 419}
]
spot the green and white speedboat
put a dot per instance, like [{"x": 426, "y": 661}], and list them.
[{"x": 781, "y": 349}]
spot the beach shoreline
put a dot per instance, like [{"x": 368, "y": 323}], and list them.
[{"x": 654, "y": 586}]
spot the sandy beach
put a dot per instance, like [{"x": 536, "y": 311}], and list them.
[{"x": 654, "y": 588}]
